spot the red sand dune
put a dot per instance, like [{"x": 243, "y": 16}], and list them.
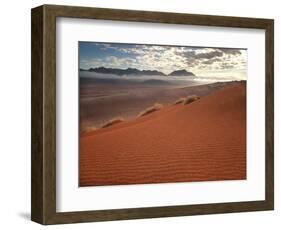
[{"x": 201, "y": 141}]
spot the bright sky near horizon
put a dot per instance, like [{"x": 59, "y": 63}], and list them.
[{"x": 210, "y": 63}]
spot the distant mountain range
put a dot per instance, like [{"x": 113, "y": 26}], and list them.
[
  {"x": 182, "y": 72},
  {"x": 133, "y": 71}
]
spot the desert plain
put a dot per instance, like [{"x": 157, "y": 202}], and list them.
[{"x": 150, "y": 133}]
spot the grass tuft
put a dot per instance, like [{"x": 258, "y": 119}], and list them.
[
  {"x": 151, "y": 109},
  {"x": 180, "y": 101},
  {"x": 190, "y": 99},
  {"x": 113, "y": 122},
  {"x": 88, "y": 129}
]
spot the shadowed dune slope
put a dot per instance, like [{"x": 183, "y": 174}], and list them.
[{"x": 202, "y": 141}]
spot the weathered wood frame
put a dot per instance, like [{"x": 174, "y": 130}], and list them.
[{"x": 43, "y": 197}]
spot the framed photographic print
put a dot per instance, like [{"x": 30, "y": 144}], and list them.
[{"x": 148, "y": 114}]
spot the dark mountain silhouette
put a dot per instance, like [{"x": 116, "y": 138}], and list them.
[
  {"x": 182, "y": 72},
  {"x": 128, "y": 71},
  {"x": 137, "y": 72}
]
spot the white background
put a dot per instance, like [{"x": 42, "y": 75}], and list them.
[
  {"x": 72, "y": 198},
  {"x": 15, "y": 114}
]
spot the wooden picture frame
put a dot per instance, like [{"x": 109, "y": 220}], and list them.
[{"x": 43, "y": 208}]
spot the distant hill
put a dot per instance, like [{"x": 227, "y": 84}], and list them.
[
  {"x": 128, "y": 71},
  {"x": 137, "y": 72},
  {"x": 182, "y": 72}
]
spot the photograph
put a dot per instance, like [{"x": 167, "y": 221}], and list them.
[{"x": 153, "y": 113}]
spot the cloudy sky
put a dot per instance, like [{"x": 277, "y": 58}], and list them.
[{"x": 210, "y": 63}]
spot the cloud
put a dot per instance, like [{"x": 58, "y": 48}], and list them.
[
  {"x": 209, "y": 55},
  {"x": 226, "y": 66},
  {"x": 230, "y": 51},
  {"x": 211, "y": 61},
  {"x": 201, "y": 61}
]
